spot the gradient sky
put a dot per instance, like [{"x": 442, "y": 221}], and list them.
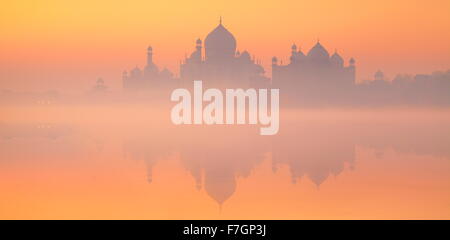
[{"x": 51, "y": 44}]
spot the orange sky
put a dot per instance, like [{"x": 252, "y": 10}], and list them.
[{"x": 51, "y": 44}]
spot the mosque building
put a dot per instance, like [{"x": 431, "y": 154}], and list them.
[
  {"x": 316, "y": 67},
  {"x": 147, "y": 78}
]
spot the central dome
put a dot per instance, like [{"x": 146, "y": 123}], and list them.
[
  {"x": 319, "y": 53},
  {"x": 220, "y": 44}
]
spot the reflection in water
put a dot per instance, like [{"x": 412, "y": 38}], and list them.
[
  {"x": 314, "y": 150},
  {"x": 313, "y": 146},
  {"x": 39, "y": 130}
]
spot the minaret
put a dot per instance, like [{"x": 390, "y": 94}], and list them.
[
  {"x": 351, "y": 68},
  {"x": 274, "y": 67},
  {"x": 149, "y": 56},
  {"x": 352, "y": 62},
  {"x": 274, "y": 61},
  {"x": 198, "y": 47},
  {"x": 151, "y": 70},
  {"x": 379, "y": 76},
  {"x": 294, "y": 48},
  {"x": 293, "y": 53},
  {"x": 125, "y": 79}
]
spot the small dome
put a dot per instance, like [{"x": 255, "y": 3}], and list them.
[
  {"x": 294, "y": 47},
  {"x": 337, "y": 59},
  {"x": 352, "y": 61},
  {"x": 149, "y": 48},
  {"x": 274, "y": 60},
  {"x": 379, "y": 75},
  {"x": 198, "y": 41},
  {"x": 318, "y": 52},
  {"x": 220, "y": 43},
  {"x": 193, "y": 55},
  {"x": 135, "y": 71},
  {"x": 245, "y": 56},
  {"x": 166, "y": 73}
]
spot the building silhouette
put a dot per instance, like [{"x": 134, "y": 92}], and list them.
[
  {"x": 316, "y": 67},
  {"x": 220, "y": 64},
  {"x": 99, "y": 86},
  {"x": 149, "y": 77},
  {"x": 217, "y": 62},
  {"x": 316, "y": 78}
]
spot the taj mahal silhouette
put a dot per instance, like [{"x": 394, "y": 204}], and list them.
[
  {"x": 217, "y": 62},
  {"x": 314, "y": 78}
]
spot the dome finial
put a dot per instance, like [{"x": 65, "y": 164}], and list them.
[
  {"x": 219, "y": 43},
  {"x": 220, "y": 20}
]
